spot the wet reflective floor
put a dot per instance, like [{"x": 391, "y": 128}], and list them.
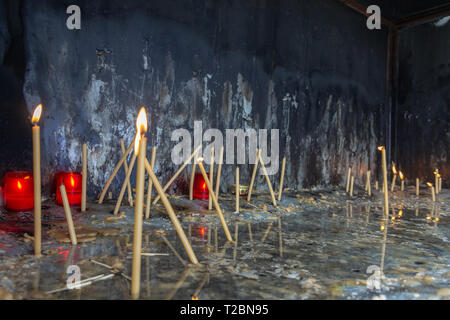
[{"x": 317, "y": 244}]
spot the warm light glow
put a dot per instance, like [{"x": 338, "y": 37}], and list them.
[
  {"x": 72, "y": 181},
  {"x": 200, "y": 159},
  {"x": 204, "y": 185},
  {"x": 141, "y": 128},
  {"x": 380, "y": 148},
  {"x": 430, "y": 184},
  {"x": 428, "y": 217},
  {"x": 194, "y": 298},
  {"x": 394, "y": 170},
  {"x": 401, "y": 175},
  {"x": 437, "y": 219},
  {"x": 202, "y": 231},
  {"x": 382, "y": 228},
  {"x": 400, "y": 213},
  {"x": 36, "y": 114},
  {"x": 19, "y": 185},
  {"x": 438, "y": 175}
]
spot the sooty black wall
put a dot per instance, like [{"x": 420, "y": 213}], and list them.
[
  {"x": 423, "y": 141},
  {"x": 309, "y": 68}
]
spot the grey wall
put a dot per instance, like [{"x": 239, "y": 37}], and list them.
[
  {"x": 309, "y": 68},
  {"x": 423, "y": 142}
]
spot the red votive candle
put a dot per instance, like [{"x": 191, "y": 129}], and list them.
[
  {"x": 18, "y": 191},
  {"x": 72, "y": 181},
  {"x": 200, "y": 187}
]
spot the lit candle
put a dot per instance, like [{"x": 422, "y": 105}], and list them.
[
  {"x": 436, "y": 180},
  {"x": 394, "y": 170},
  {"x": 140, "y": 146},
  {"x": 351, "y": 186},
  {"x": 177, "y": 173},
  {"x": 219, "y": 170},
  {"x": 417, "y": 186},
  {"x": 402, "y": 178},
  {"x": 433, "y": 195},
  {"x": 200, "y": 189},
  {"x": 73, "y": 236},
  {"x": 347, "y": 183},
  {"x": 214, "y": 199},
  {"x": 18, "y": 191},
  {"x": 73, "y": 186},
  {"x": 37, "y": 180},
  {"x": 385, "y": 190},
  {"x": 252, "y": 180},
  {"x": 150, "y": 186},
  {"x": 211, "y": 177},
  {"x": 269, "y": 184},
  {"x": 237, "y": 189},
  {"x": 125, "y": 166},
  {"x": 283, "y": 166},
  {"x": 84, "y": 176}
]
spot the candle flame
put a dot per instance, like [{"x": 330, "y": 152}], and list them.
[
  {"x": 380, "y": 148},
  {"x": 394, "y": 170},
  {"x": 430, "y": 184},
  {"x": 72, "y": 181},
  {"x": 438, "y": 175},
  {"x": 382, "y": 228},
  {"x": 204, "y": 185},
  {"x": 401, "y": 175},
  {"x": 36, "y": 114},
  {"x": 437, "y": 219},
  {"x": 19, "y": 185},
  {"x": 141, "y": 127}
]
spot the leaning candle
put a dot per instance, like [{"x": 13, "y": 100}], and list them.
[
  {"x": 37, "y": 180},
  {"x": 84, "y": 177},
  {"x": 402, "y": 178},
  {"x": 150, "y": 186},
  {"x": 394, "y": 178},
  {"x": 269, "y": 184},
  {"x": 219, "y": 170},
  {"x": 211, "y": 177},
  {"x": 140, "y": 146},
  {"x": 347, "y": 183},
  {"x": 417, "y": 186},
  {"x": 124, "y": 185},
  {"x": 283, "y": 166},
  {"x": 433, "y": 195},
  {"x": 385, "y": 190},
  {"x": 252, "y": 180},
  {"x": 191, "y": 182},
  {"x": 237, "y": 189},
  {"x": 73, "y": 236},
  {"x": 125, "y": 166},
  {"x": 214, "y": 199},
  {"x": 351, "y": 186}
]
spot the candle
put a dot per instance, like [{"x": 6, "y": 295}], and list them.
[
  {"x": 191, "y": 182},
  {"x": 140, "y": 146},
  {"x": 368, "y": 186},
  {"x": 376, "y": 185},
  {"x": 113, "y": 174},
  {"x": 283, "y": 166},
  {"x": 214, "y": 199},
  {"x": 436, "y": 180},
  {"x": 252, "y": 180},
  {"x": 433, "y": 195},
  {"x": 84, "y": 177},
  {"x": 171, "y": 213},
  {"x": 37, "y": 180},
  {"x": 211, "y": 177},
  {"x": 65, "y": 200},
  {"x": 268, "y": 181},
  {"x": 125, "y": 166},
  {"x": 125, "y": 183},
  {"x": 347, "y": 183},
  {"x": 200, "y": 189},
  {"x": 402, "y": 177},
  {"x": 440, "y": 183},
  {"x": 150, "y": 186},
  {"x": 351, "y": 186},
  {"x": 394, "y": 170},
  {"x": 18, "y": 191},
  {"x": 237, "y": 189},
  {"x": 73, "y": 185},
  {"x": 385, "y": 190},
  {"x": 417, "y": 186},
  {"x": 177, "y": 173},
  {"x": 219, "y": 170}
]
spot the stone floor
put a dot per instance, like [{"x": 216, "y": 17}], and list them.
[{"x": 318, "y": 244}]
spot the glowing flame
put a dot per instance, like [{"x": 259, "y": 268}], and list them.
[
  {"x": 437, "y": 219},
  {"x": 72, "y": 181},
  {"x": 200, "y": 159},
  {"x": 430, "y": 184},
  {"x": 428, "y": 218},
  {"x": 400, "y": 213},
  {"x": 382, "y": 228},
  {"x": 401, "y": 175},
  {"x": 141, "y": 127},
  {"x": 194, "y": 298},
  {"x": 204, "y": 185},
  {"x": 394, "y": 170},
  {"x": 380, "y": 148},
  {"x": 202, "y": 231},
  {"x": 19, "y": 185},
  {"x": 36, "y": 114},
  {"x": 438, "y": 175},
  {"x": 26, "y": 178}
]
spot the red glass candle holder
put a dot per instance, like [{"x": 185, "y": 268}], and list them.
[
  {"x": 72, "y": 181},
  {"x": 200, "y": 188},
  {"x": 18, "y": 191}
]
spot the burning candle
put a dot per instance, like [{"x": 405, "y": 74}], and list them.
[
  {"x": 417, "y": 186},
  {"x": 252, "y": 180},
  {"x": 347, "y": 183},
  {"x": 140, "y": 146},
  {"x": 283, "y": 166},
  {"x": 214, "y": 199},
  {"x": 237, "y": 189},
  {"x": 73, "y": 236},
  {"x": 37, "y": 180},
  {"x": 200, "y": 191},
  {"x": 73, "y": 184},
  {"x": 219, "y": 171},
  {"x": 211, "y": 177},
  {"x": 18, "y": 191},
  {"x": 385, "y": 190},
  {"x": 402, "y": 178},
  {"x": 433, "y": 195},
  {"x": 394, "y": 170},
  {"x": 84, "y": 177}
]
